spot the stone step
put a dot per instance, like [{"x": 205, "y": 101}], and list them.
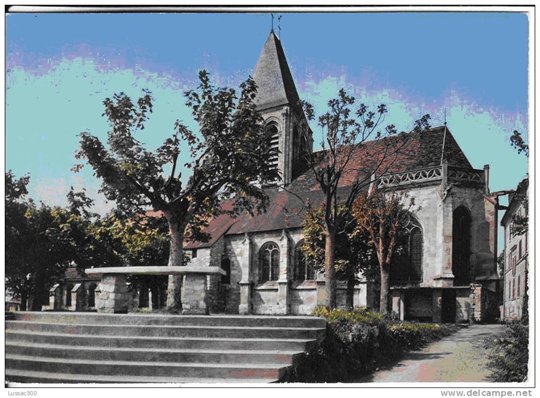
[
  {"x": 158, "y": 342},
  {"x": 24, "y": 376},
  {"x": 136, "y": 354},
  {"x": 145, "y": 369},
  {"x": 168, "y": 330},
  {"x": 163, "y": 319},
  {"x": 112, "y": 348}
]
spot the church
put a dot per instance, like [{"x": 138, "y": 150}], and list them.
[{"x": 448, "y": 271}]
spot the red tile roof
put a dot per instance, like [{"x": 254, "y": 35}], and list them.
[{"x": 287, "y": 206}]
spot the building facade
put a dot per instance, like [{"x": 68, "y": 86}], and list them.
[{"x": 516, "y": 254}]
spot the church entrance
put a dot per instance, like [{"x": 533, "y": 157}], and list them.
[{"x": 448, "y": 306}]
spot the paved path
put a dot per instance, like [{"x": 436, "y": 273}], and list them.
[{"x": 460, "y": 357}]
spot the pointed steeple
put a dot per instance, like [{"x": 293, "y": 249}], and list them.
[{"x": 275, "y": 85}]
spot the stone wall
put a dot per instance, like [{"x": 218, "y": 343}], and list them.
[
  {"x": 433, "y": 209},
  {"x": 284, "y": 296},
  {"x": 303, "y": 297}
]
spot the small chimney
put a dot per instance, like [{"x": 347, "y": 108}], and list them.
[{"x": 486, "y": 178}]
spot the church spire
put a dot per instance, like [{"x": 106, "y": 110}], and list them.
[
  {"x": 279, "y": 104},
  {"x": 275, "y": 84}
]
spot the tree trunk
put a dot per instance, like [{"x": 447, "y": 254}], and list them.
[
  {"x": 176, "y": 258},
  {"x": 385, "y": 286},
  {"x": 329, "y": 268},
  {"x": 24, "y": 300},
  {"x": 37, "y": 301},
  {"x": 350, "y": 291}
]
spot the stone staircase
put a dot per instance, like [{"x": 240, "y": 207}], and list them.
[{"x": 62, "y": 347}]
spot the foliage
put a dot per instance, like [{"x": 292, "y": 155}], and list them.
[
  {"x": 353, "y": 253},
  {"x": 520, "y": 219},
  {"x": 509, "y": 356},
  {"x": 517, "y": 142},
  {"x": 227, "y": 159},
  {"x": 34, "y": 256},
  {"x": 380, "y": 216},
  {"x": 132, "y": 241},
  {"x": 358, "y": 315},
  {"x": 359, "y": 341},
  {"x": 348, "y": 127},
  {"x": 520, "y": 223}
]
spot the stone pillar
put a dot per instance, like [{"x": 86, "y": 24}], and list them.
[
  {"x": 477, "y": 302},
  {"x": 437, "y": 305},
  {"x": 245, "y": 298},
  {"x": 133, "y": 304},
  {"x": 150, "y": 304},
  {"x": 286, "y": 147},
  {"x": 114, "y": 296},
  {"x": 283, "y": 281},
  {"x": 398, "y": 304},
  {"x": 52, "y": 300},
  {"x": 58, "y": 299},
  {"x": 245, "y": 283},
  {"x": 321, "y": 290},
  {"x": 194, "y": 295},
  {"x": 73, "y": 306},
  {"x": 446, "y": 248},
  {"x": 55, "y": 299}
]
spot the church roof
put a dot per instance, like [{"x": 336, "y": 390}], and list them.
[
  {"x": 287, "y": 206},
  {"x": 275, "y": 84}
]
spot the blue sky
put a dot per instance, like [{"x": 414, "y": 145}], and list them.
[{"x": 60, "y": 67}]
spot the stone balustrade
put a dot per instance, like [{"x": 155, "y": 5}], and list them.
[{"x": 449, "y": 174}]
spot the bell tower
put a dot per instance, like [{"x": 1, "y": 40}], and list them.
[{"x": 279, "y": 104}]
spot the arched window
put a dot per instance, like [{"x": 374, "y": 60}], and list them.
[
  {"x": 303, "y": 267},
  {"x": 273, "y": 131},
  {"x": 461, "y": 246},
  {"x": 92, "y": 295},
  {"x": 407, "y": 263},
  {"x": 226, "y": 266},
  {"x": 269, "y": 262}
]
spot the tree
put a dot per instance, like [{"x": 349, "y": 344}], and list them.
[
  {"x": 381, "y": 215},
  {"x": 354, "y": 254},
  {"x": 34, "y": 257},
  {"x": 41, "y": 242},
  {"x": 228, "y": 159},
  {"x": 348, "y": 130}
]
